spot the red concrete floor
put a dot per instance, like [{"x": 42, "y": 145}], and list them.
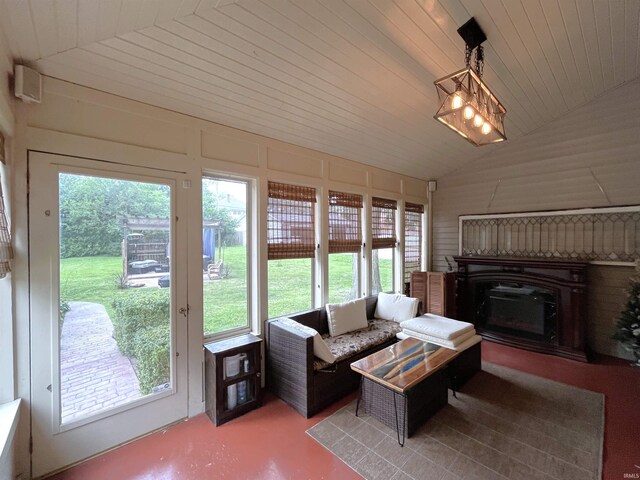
[
  {"x": 615, "y": 378},
  {"x": 271, "y": 443},
  {"x": 267, "y": 443}
]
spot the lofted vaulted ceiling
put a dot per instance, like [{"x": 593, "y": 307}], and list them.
[{"x": 351, "y": 78}]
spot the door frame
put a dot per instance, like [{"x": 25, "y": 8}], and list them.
[
  {"x": 140, "y": 164},
  {"x": 36, "y": 139}
]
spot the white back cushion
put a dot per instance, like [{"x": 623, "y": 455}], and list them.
[
  {"x": 396, "y": 307},
  {"x": 346, "y": 317},
  {"x": 320, "y": 348}
]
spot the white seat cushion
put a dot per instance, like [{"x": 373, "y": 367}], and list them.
[
  {"x": 320, "y": 348},
  {"x": 471, "y": 341},
  {"x": 346, "y": 317},
  {"x": 437, "y": 326},
  {"x": 396, "y": 307},
  {"x": 459, "y": 340},
  {"x": 346, "y": 346}
]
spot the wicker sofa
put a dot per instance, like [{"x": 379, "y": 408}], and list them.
[{"x": 296, "y": 376}]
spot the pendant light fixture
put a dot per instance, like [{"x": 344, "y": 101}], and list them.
[{"x": 466, "y": 105}]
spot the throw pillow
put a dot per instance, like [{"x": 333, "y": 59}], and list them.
[
  {"x": 320, "y": 348},
  {"x": 396, "y": 307},
  {"x": 347, "y": 317}
]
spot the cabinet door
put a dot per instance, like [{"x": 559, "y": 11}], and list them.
[
  {"x": 419, "y": 289},
  {"x": 436, "y": 293}
]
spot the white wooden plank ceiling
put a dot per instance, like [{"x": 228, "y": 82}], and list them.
[{"x": 350, "y": 78}]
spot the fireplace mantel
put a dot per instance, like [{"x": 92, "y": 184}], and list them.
[{"x": 564, "y": 280}]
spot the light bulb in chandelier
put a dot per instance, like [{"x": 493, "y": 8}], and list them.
[
  {"x": 457, "y": 101},
  {"x": 486, "y": 128},
  {"x": 478, "y": 120},
  {"x": 468, "y": 112}
]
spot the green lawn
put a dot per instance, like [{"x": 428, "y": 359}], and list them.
[
  {"x": 93, "y": 279},
  {"x": 341, "y": 277},
  {"x": 290, "y": 282},
  {"x": 289, "y": 286},
  {"x": 225, "y": 300}
]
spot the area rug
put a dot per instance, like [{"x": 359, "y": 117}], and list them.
[{"x": 504, "y": 424}]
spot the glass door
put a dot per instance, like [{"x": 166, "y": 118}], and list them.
[{"x": 108, "y": 302}]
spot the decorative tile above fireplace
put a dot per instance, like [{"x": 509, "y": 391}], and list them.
[{"x": 609, "y": 235}]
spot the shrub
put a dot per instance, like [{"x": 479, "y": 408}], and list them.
[
  {"x": 132, "y": 313},
  {"x": 64, "y": 309},
  {"x": 122, "y": 281},
  {"x": 152, "y": 352}
]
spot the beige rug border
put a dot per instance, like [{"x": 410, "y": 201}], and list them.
[{"x": 498, "y": 366}]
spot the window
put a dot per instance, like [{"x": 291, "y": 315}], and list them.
[
  {"x": 345, "y": 243},
  {"x": 6, "y": 253},
  {"x": 412, "y": 239},
  {"x": 6, "y": 314},
  {"x": 225, "y": 224},
  {"x": 383, "y": 243},
  {"x": 291, "y": 246}
]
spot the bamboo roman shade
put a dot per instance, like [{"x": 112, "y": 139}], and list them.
[
  {"x": 412, "y": 239},
  {"x": 6, "y": 253},
  {"x": 383, "y": 223},
  {"x": 345, "y": 225},
  {"x": 290, "y": 221}
]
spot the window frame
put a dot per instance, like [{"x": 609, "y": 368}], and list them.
[
  {"x": 317, "y": 260},
  {"x": 7, "y": 339},
  {"x": 413, "y": 209},
  {"x": 393, "y": 244},
  {"x": 251, "y": 266},
  {"x": 359, "y": 252}
]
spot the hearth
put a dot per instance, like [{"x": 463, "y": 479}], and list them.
[{"x": 537, "y": 304}]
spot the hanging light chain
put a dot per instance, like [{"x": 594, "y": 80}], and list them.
[
  {"x": 479, "y": 64},
  {"x": 479, "y": 60},
  {"x": 468, "y": 51}
]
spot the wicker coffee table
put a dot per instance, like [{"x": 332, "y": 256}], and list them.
[{"x": 404, "y": 384}]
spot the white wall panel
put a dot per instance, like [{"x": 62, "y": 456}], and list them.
[
  {"x": 557, "y": 167},
  {"x": 347, "y": 174},
  {"x": 290, "y": 162},
  {"x": 6, "y": 97},
  {"x": 103, "y": 122},
  {"x": 415, "y": 188},
  {"x": 388, "y": 182},
  {"x": 228, "y": 149}
]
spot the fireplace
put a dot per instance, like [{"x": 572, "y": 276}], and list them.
[
  {"x": 513, "y": 308},
  {"x": 527, "y": 303}
]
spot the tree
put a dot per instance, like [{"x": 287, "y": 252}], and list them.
[
  {"x": 376, "y": 284},
  {"x": 628, "y": 325},
  {"x": 92, "y": 210},
  {"x": 219, "y": 216},
  {"x": 354, "y": 292}
]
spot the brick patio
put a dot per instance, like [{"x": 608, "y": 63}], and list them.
[{"x": 94, "y": 375}]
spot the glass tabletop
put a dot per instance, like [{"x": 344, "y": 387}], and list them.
[{"x": 404, "y": 364}]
